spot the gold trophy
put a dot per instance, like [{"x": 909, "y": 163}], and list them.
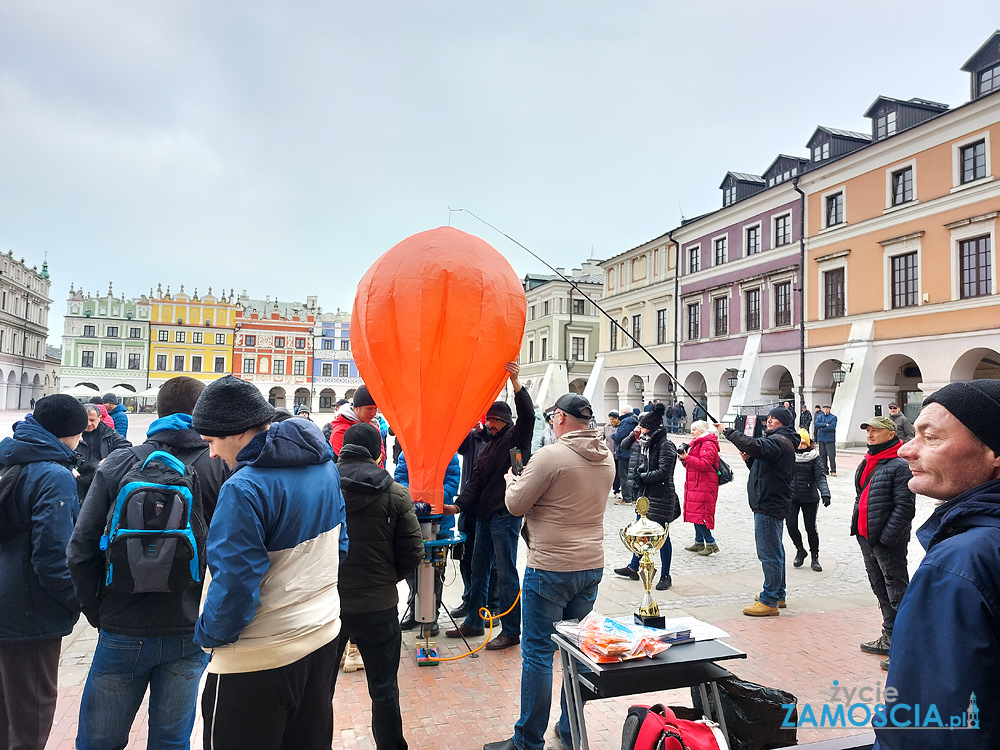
[{"x": 643, "y": 537}]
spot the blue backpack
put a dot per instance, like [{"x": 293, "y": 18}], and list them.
[{"x": 155, "y": 536}]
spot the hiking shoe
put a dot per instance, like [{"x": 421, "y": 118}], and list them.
[
  {"x": 815, "y": 564},
  {"x": 664, "y": 583},
  {"x": 696, "y": 547},
  {"x": 710, "y": 547},
  {"x": 759, "y": 609},
  {"x": 800, "y": 557},
  {"x": 879, "y": 646},
  {"x": 627, "y": 572},
  {"x": 352, "y": 659},
  {"x": 884, "y": 664},
  {"x": 781, "y": 602},
  {"x": 461, "y": 610}
]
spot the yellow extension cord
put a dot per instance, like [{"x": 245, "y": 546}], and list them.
[{"x": 485, "y": 614}]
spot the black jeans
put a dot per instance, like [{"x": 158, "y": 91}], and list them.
[
  {"x": 628, "y": 492},
  {"x": 828, "y": 456},
  {"x": 28, "y": 692},
  {"x": 377, "y": 636},
  {"x": 888, "y": 577},
  {"x": 287, "y": 708},
  {"x": 467, "y": 525},
  {"x": 808, "y": 519}
]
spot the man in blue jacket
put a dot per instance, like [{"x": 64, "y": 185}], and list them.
[
  {"x": 945, "y": 651},
  {"x": 626, "y": 426},
  {"x": 825, "y": 425},
  {"x": 145, "y": 639},
  {"x": 271, "y": 615},
  {"x": 39, "y": 606},
  {"x": 118, "y": 414}
]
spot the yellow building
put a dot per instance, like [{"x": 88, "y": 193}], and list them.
[{"x": 190, "y": 335}]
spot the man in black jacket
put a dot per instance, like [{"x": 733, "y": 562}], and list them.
[
  {"x": 771, "y": 460},
  {"x": 99, "y": 441},
  {"x": 386, "y": 546},
  {"x": 496, "y": 529},
  {"x": 145, "y": 639},
  {"x": 883, "y": 512}
]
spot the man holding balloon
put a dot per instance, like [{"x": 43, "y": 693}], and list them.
[{"x": 496, "y": 528}]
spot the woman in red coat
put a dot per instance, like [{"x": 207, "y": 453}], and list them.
[{"x": 701, "y": 486}]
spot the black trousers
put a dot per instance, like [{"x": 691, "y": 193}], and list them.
[
  {"x": 888, "y": 576},
  {"x": 28, "y": 690},
  {"x": 628, "y": 492},
  {"x": 287, "y": 708},
  {"x": 808, "y": 519},
  {"x": 828, "y": 456},
  {"x": 377, "y": 636}
]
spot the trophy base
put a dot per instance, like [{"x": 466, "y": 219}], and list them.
[{"x": 650, "y": 621}]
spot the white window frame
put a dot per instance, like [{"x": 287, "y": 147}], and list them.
[
  {"x": 586, "y": 347},
  {"x": 842, "y": 189},
  {"x": 889, "y": 172},
  {"x": 774, "y": 229},
  {"x": 725, "y": 238},
  {"x": 772, "y": 304},
  {"x": 956, "y": 161},
  {"x": 687, "y": 256},
  {"x": 699, "y": 302},
  {"x": 543, "y": 346},
  {"x": 759, "y": 288},
  {"x": 890, "y": 250},
  {"x": 729, "y": 314},
  {"x": 976, "y": 227},
  {"x": 824, "y": 266},
  {"x": 760, "y": 238}
]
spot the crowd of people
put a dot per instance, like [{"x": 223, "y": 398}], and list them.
[{"x": 252, "y": 544}]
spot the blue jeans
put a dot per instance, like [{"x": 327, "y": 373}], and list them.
[
  {"x": 703, "y": 534},
  {"x": 767, "y": 532},
  {"x": 123, "y": 666},
  {"x": 548, "y": 597},
  {"x": 496, "y": 539}
]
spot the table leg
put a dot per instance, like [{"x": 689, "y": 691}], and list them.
[
  {"x": 707, "y": 709},
  {"x": 718, "y": 710},
  {"x": 577, "y": 720}
]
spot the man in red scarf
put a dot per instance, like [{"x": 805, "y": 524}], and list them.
[{"x": 883, "y": 513}]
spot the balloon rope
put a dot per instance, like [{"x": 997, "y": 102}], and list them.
[
  {"x": 594, "y": 303},
  {"x": 485, "y": 614}
]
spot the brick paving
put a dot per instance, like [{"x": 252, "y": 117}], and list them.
[{"x": 461, "y": 705}]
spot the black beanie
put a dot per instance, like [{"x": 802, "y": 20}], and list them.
[
  {"x": 60, "y": 414},
  {"x": 230, "y": 406},
  {"x": 653, "y": 420},
  {"x": 500, "y": 410},
  {"x": 363, "y": 398},
  {"x": 782, "y": 414},
  {"x": 110, "y": 398},
  {"x": 365, "y": 436},
  {"x": 975, "y": 404}
]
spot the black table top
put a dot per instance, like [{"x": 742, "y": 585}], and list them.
[{"x": 685, "y": 653}]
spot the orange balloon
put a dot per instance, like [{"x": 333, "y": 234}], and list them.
[{"x": 435, "y": 320}]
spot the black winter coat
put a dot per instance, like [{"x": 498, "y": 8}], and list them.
[
  {"x": 809, "y": 479},
  {"x": 771, "y": 463},
  {"x": 486, "y": 489},
  {"x": 94, "y": 447},
  {"x": 385, "y": 540},
  {"x": 155, "y": 614},
  {"x": 891, "y": 505},
  {"x": 655, "y": 475}
]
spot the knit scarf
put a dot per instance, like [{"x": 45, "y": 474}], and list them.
[{"x": 871, "y": 461}]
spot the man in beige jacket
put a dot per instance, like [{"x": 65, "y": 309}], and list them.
[{"x": 562, "y": 495}]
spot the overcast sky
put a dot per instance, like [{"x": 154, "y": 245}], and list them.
[{"x": 282, "y": 147}]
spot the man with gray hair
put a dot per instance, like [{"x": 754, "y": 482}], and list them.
[
  {"x": 946, "y": 647},
  {"x": 562, "y": 495}
]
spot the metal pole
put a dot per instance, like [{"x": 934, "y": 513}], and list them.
[{"x": 802, "y": 291}]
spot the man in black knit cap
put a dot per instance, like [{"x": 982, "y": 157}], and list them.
[{"x": 945, "y": 650}]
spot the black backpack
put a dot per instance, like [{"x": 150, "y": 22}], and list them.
[
  {"x": 154, "y": 540},
  {"x": 8, "y": 478}
]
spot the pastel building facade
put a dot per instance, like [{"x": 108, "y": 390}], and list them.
[
  {"x": 190, "y": 335},
  {"x": 24, "y": 328},
  {"x": 334, "y": 375}
]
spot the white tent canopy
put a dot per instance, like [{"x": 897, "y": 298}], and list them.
[
  {"x": 149, "y": 392},
  {"x": 82, "y": 391},
  {"x": 123, "y": 392}
]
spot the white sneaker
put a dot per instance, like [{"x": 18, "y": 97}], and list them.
[{"x": 352, "y": 659}]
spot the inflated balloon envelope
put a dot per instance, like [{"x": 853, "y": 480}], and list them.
[{"x": 435, "y": 320}]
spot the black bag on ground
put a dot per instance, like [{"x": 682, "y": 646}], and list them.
[{"x": 753, "y": 713}]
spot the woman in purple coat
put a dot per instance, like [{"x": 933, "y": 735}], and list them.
[{"x": 701, "y": 486}]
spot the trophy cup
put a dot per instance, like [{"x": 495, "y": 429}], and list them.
[{"x": 644, "y": 537}]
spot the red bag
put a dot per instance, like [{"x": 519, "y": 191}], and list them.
[{"x": 656, "y": 728}]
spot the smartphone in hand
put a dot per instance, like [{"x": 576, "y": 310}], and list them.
[{"x": 515, "y": 461}]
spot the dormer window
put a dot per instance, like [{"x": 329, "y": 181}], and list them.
[
  {"x": 885, "y": 125},
  {"x": 821, "y": 152},
  {"x": 989, "y": 80},
  {"x": 729, "y": 196}
]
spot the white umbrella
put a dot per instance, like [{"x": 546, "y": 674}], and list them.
[
  {"x": 149, "y": 392},
  {"x": 82, "y": 391},
  {"x": 123, "y": 392}
]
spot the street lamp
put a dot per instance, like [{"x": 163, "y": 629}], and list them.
[
  {"x": 840, "y": 374},
  {"x": 24, "y": 341},
  {"x": 734, "y": 378}
]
